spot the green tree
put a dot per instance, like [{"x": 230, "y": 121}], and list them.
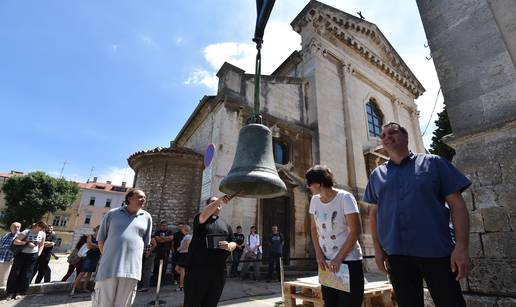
[
  {"x": 29, "y": 197},
  {"x": 438, "y": 147}
]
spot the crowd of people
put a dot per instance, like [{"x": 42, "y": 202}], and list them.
[
  {"x": 25, "y": 255},
  {"x": 412, "y": 197}
]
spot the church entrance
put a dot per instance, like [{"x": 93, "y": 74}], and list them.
[{"x": 276, "y": 211}]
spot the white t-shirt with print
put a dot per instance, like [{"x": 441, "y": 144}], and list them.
[
  {"x": 34, "y": 237},
  {"x": 182, "y": 249},
  {"x": 332, "y": 229}
]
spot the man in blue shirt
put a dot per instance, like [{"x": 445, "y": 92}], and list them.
[
  {"x": 275, "y": 241},
  {"x": 6, "y": 257},
  {"x": 412, "y": 197}
]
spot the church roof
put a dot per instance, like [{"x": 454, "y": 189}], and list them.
[{"x": 354, "y": 32}]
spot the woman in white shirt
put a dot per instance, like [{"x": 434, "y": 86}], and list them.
[
  {"x": 335, "y": 229},
  {"x": 253, "y": 252},
  {"x": 183, "y": 255},
  {"x": 24, "y": 262}
]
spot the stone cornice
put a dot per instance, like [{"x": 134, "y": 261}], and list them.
[
  {"x": 355, "y": 71},
  {"x": 482, "y": 134},
  {"x": 337, "y": 25},
  {"x": 181, "y": 154}
]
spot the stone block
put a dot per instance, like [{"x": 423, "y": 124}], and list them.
[
  {"x": 506, "y": 194},
  {"x": 476, "y": 223},
  {"x": 506, "y": 302},
  {"x": 475, "y": 246},
  {"x": 468, "y": 199},
  {"x": 493, "y": 276},
  {"x": 495, "y": 219},
  {"x": 428, "y": 299},
  {"x": 485, "y": 197},
  {"x": 480, "y": 301},
  {"x": 499, "y": 244}
]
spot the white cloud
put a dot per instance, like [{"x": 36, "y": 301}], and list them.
[
  {"x": 280, "y": 42},
  {"x": 203, "y": 77},
  {"x": 116, "y": 175},
  {"x": 114, "y": 48},
  {"x": 179, "y": 40},
  {"x": 148, "y": 41},
  {"x": 70, "y": 177}
]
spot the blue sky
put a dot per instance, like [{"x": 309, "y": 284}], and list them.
[{"x": 91, "y": 82}]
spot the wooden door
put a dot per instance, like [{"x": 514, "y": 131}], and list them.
[{"x": 276, "y": 211}]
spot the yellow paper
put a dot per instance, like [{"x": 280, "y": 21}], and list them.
[{"x": 339, "y": 280}]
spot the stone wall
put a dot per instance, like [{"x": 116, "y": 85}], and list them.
[
  {"x": 472, "y": 44},
  {"x": 171, "y": 178}
]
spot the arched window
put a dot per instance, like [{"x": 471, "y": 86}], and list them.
[
  {"x": 280, "y": 152},
  {"x": 374, "y": 118}
]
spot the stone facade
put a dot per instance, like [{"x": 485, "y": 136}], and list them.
[
  {"x": 315, "y": 105},
  {"x": 171, "y": 179},
  {"x": 473, "y": 45}
]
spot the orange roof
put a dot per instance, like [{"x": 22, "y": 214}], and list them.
[
  {"x": 103, "y": 187},
  {"x": 11, "y": 174}
]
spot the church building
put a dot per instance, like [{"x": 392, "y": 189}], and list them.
[{"x": 325, "y": 104}]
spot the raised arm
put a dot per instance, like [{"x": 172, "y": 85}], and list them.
[{"x": 212, "y": 208}]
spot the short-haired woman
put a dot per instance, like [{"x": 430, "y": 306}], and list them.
[
  {"x": 88, "y": 263},
  {"x": 183, "y": 255},
  {"x": 24, "y": 262},
  {"x": 335, "y": 229}
]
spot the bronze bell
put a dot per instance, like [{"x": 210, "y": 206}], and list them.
[{"x": 253, "y": 173}]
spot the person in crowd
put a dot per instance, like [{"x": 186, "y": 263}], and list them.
[
  {"x": 178, "y": 237},
  {"x": 412, "y": 197},
  {"x": 253, "y": 254},
  {"x": 149, "y": 255},
  {"x": 42, "y": 267},
  {"x": 6, "y": 256},
  {"x": 335, "y": 229},
  {"x": 164, "y": 238},
  {"x": 88, "y": 263},
  {"x": 122, "y": 237},
  {"x": 74, "y": 261},
  {"x": 237, "y": 254},
  {"x": 183, "y": 256},
  {"x": 211, "y": 244},
  {"x": 276, "y": 242},
  {"x": 21, "y": 273}
]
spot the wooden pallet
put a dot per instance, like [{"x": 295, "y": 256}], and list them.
[{"x": 376, "y": 294}]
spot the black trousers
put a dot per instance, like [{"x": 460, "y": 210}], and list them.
[
  {"x": 274, "y": 261},
  {"x": 333, "y": 297},
  {"x": 21, "y": 273},
  {"x": 43, "y": 269},
  {"x": 407, "y": 274},
  {"x": 203, "y": 286}
]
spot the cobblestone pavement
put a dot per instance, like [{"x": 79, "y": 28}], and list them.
[{"x": 236, "y": 293}]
